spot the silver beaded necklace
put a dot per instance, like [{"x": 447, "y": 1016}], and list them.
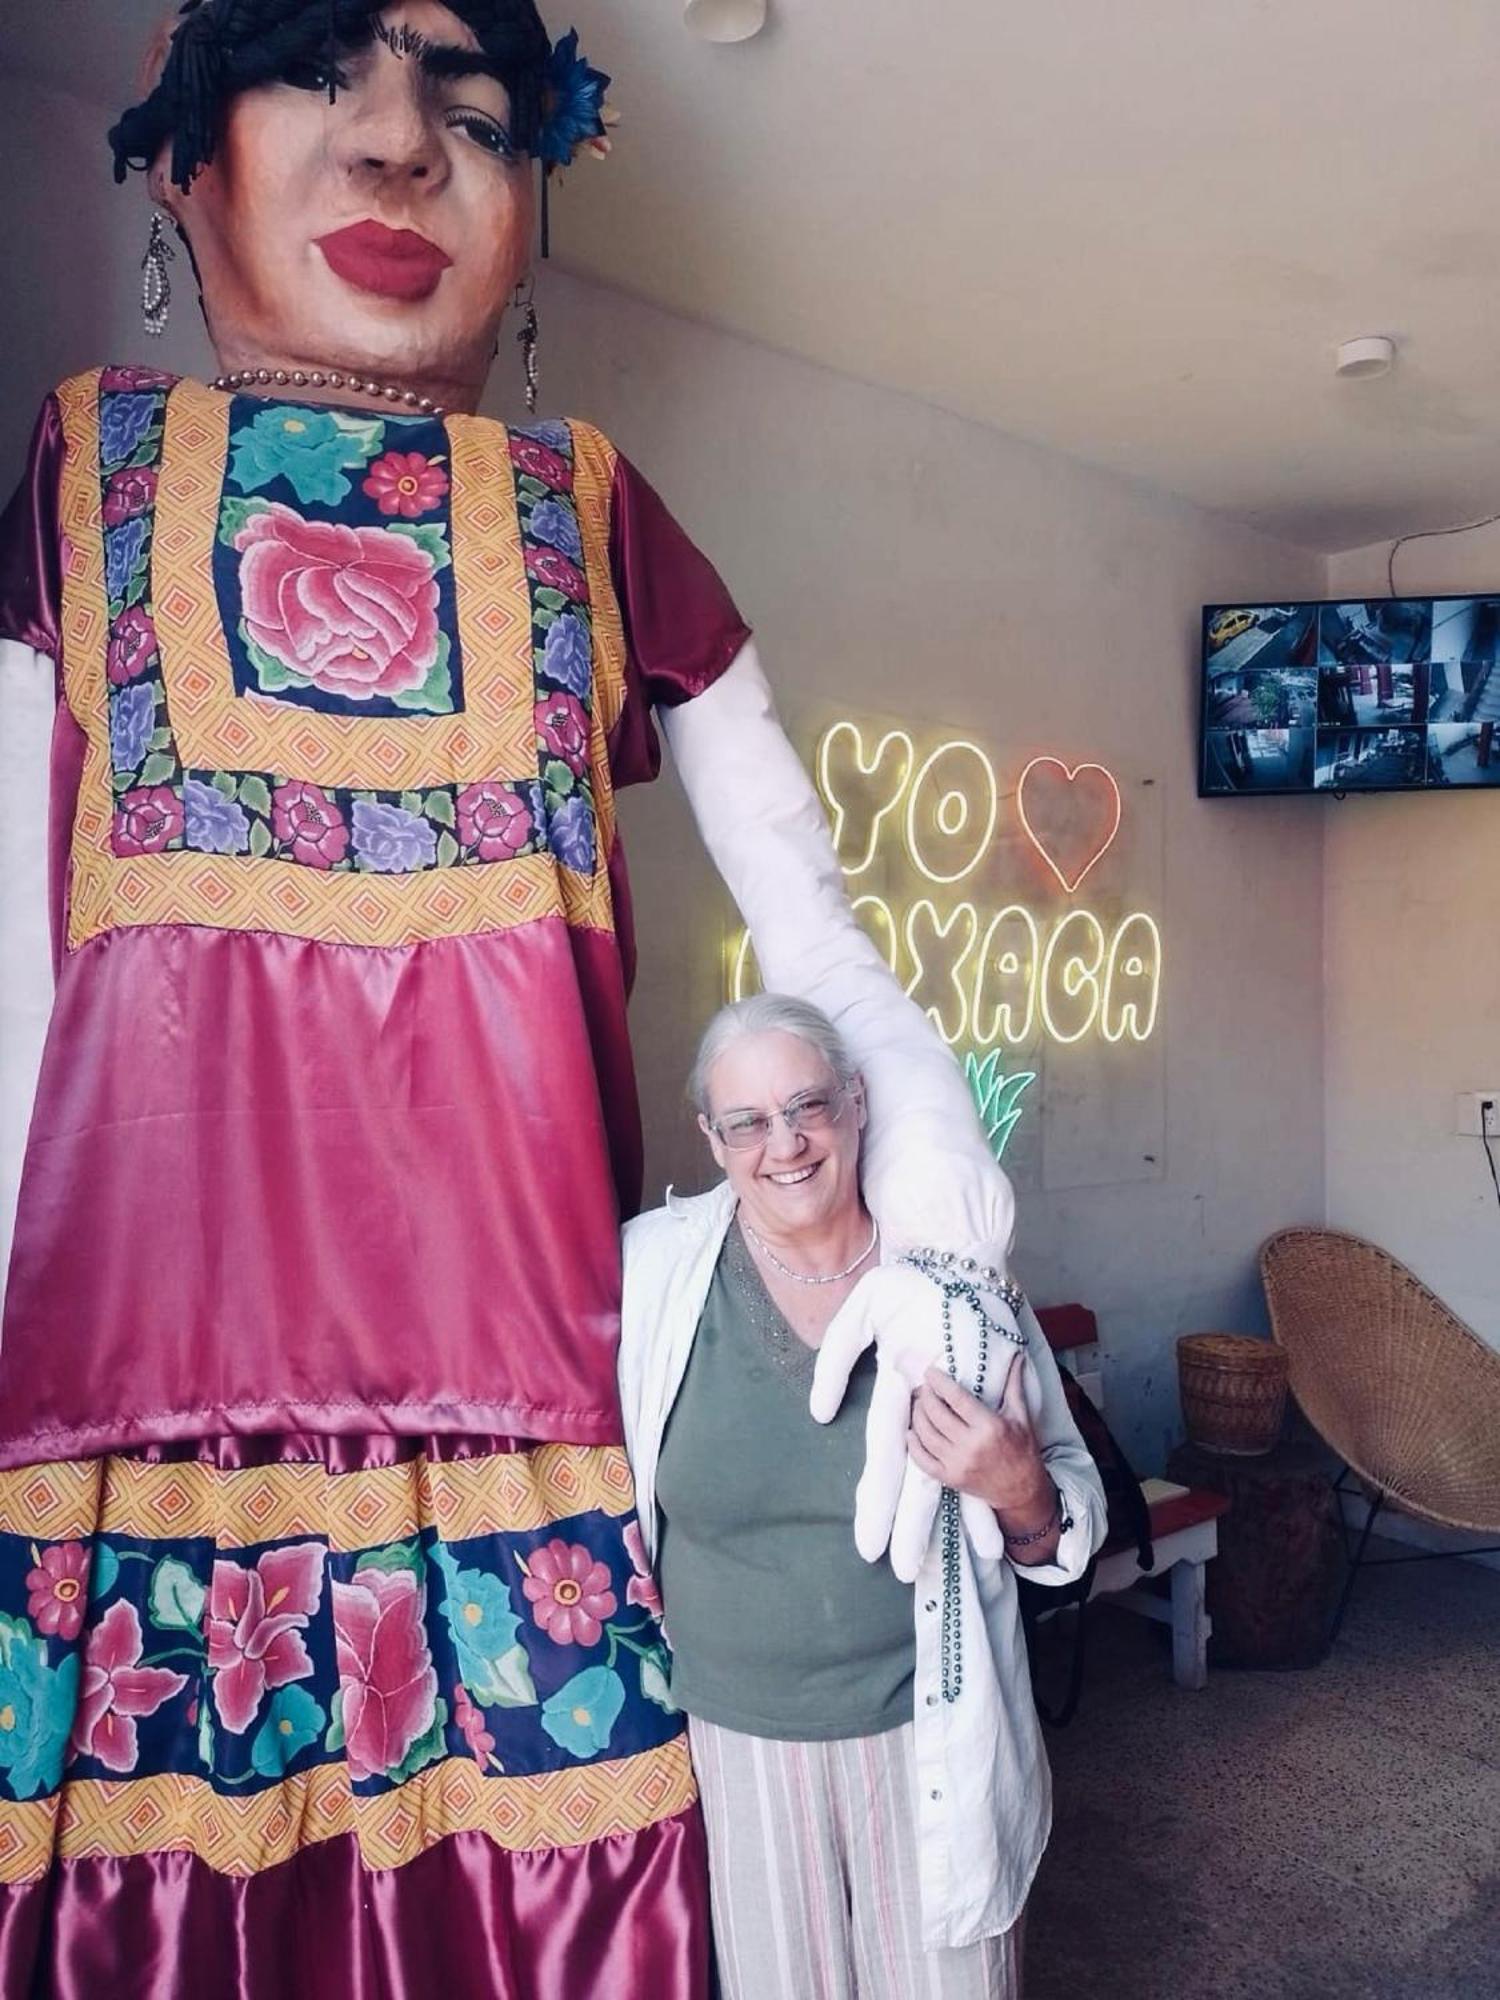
[{"x": 810, "y": 1277}]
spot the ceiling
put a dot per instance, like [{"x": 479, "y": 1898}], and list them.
[{"x": 1133, "y": 232}]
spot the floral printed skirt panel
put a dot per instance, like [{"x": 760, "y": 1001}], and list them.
[{"x": 302, "y": 1714}]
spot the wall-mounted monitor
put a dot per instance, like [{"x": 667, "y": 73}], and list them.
[{"x": 1391, "y": 694}]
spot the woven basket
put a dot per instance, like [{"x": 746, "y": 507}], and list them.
[{"x": 1233, "y": 1391}]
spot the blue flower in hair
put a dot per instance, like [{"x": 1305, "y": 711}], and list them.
[{"x": 574, "y": 97}]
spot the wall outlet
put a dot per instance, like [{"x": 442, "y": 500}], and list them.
[{"x": 1471, "y": 1112}]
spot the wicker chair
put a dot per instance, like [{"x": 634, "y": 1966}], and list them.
[{"x": 1401, "y": 1389}]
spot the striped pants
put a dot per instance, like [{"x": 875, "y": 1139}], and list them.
[{"x": 812, "y": 1859}]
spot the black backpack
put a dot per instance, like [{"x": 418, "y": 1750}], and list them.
[{"x": 1129, "y": 1521}]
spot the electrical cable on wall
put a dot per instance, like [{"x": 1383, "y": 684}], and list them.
[
  {"x": 1489, "y": 1154},
  {"x": 1429, "y": 535}
]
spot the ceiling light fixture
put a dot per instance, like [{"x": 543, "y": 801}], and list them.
[
  {"x": 725, "y": 20},
  {"x": 1371, "y": 354}
]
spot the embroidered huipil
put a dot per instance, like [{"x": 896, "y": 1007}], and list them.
[{"x": 336, "y": 1117}]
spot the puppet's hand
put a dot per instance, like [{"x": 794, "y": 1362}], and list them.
[{"x": 901, "y": 1313}]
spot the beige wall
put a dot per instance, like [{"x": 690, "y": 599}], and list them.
[
  {"x": 1412, "y": 991},
  {"x": 70, "y": 248},
  {"x": 894, "y": 561}
]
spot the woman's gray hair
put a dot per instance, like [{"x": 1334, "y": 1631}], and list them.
[{"x": 768, "y": 1014}]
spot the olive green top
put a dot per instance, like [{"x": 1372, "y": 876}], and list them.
[{"x": 777, "y": 1626}]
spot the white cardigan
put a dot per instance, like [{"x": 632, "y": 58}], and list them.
[{"x": 984, "y": 1803}]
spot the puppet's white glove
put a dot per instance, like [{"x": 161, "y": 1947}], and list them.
[{"x": 901, "y": 1313}]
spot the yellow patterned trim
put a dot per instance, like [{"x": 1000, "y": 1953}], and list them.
[
  {"x": 58, "y": 1502},
  {"x": 235, "y": 892},
  {"x": 504, "y": 1493},
  {"x": 94, "y": 1818}
]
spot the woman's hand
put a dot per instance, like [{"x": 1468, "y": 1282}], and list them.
[{"x": 991, "y": 1454}]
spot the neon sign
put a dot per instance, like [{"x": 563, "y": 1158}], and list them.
[
  {"x": 988, "y": 978},
  {"x": 1083, "y": 977}
]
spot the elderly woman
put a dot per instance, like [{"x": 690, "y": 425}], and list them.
[{"x": 873, "y": 1779}]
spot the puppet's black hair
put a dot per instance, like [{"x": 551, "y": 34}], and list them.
[{"x": 222, "y": 47}]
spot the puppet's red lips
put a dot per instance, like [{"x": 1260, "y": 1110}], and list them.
[{"x": 395, "y": 263}]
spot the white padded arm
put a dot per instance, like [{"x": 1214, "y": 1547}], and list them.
[
  {"x": 928, "y": 1174},
  {"x": 27, "y": 704}
]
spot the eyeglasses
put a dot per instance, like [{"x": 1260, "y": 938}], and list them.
[{"x": 809, "y": 1112}]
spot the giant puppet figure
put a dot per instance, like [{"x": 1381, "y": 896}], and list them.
[{"x": 328, "y": 1662}]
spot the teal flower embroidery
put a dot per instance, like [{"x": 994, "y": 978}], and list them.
[
  {"x": 491, "y": 1661},
  {"x": 580, "y": 1716},
  {"x": 310, "y": 449},
  {"x": 37, "y": 1704},
  {"x": 293, "y": 1721}
]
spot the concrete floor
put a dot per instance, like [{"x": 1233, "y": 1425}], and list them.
[{"x": 1332, "y": 1834}]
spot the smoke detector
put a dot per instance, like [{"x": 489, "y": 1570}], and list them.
[{"x": 1371, "y": 354}]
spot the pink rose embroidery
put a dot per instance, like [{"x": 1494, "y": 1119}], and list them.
[
  {"x": 549, "y": 566},
  {"x": 115, "y": 1690},
  {"x": 57, "y": 1589},
  {"x": 641, "y": 1588},
  {"x": 256, "y": 1618},
  {"x": 542, "y": 462},
  {"x": 570, "y": 1593},
  {"x": 564, "y": 728},
  {"x": 306, "y": 820},
  {"x": 147, "y": 820},
  {"x": 386, "y": 1675},
  {"x": 132, "y": 646},
  {"x": 352, "y": 611},
  {"x": 406, "y": 483},
  {"x": 128, "y": 493},
  {"x": 492, "y": 821}
]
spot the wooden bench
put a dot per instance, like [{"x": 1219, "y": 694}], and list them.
[{"x": 1184, "y": 1522}]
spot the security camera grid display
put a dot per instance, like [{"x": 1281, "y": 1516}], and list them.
[{"x": 1392, "y": 694}]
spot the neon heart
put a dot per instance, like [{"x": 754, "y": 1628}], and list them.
[{"x": 1098, "y": 831}]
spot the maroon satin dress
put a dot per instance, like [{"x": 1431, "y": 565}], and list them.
[{"x": 329, "y": 1661}]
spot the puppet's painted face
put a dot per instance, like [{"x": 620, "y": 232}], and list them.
[
  {"x": 796, "y": 1182},
  {"x": 381, "y": 233}
]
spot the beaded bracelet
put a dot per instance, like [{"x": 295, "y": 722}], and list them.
[
  {"x": 962, "y": 1278},
  {"x": 1056, "y": 1519}
]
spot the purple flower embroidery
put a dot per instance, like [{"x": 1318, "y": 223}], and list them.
[
  {"x": 122, "y": 553},
  {"x": 567, "y": 656},
  {"x": 392, "y": 841},
  {"x": 215, "y": 825},
  {"x": 132, "y": 646},
  {"x": 132, "y": 718},
  {"x": 123, "y": 422},
  {"x": 551, "y": 432},
  {"x": 553, "y": 522},
  {"x": 570, "y": 835}
]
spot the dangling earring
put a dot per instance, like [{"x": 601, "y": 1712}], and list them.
[
  {"x": 525, "y": 304},
  {"x": 156, "y": 285}
]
